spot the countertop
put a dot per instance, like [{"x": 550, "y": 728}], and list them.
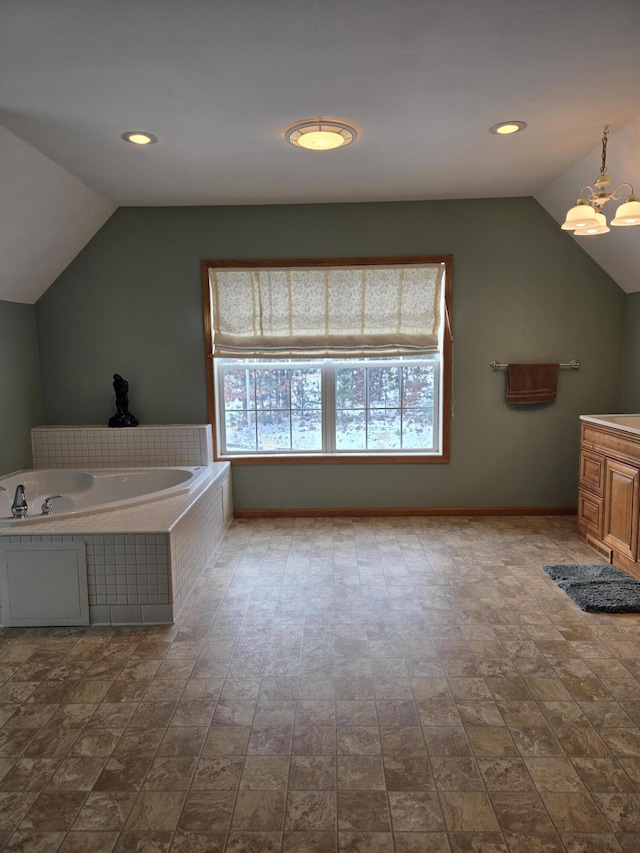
[{"x": 625, "y": 423}]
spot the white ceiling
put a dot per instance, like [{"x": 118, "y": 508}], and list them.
[{"x": 218, "y": 81}]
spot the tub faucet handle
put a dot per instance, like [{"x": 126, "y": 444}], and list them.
[
  {"x": 47, "y": 509},
  {"x": 19, "y": 506}
]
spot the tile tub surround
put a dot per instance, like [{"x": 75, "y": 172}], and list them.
[
  {"x": 134, "y": 447},
  {"x": 410, "y": 685},
  {"x": 143, "y": 560}
]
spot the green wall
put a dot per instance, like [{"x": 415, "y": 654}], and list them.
[
  {"x": 523, "y": 291},
  {"x": 20, "y": 395},
  {"x": 630, "y": 370}
]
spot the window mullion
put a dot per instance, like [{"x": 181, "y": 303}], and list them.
[
  {"x": 436, "y": 408},
  {"x": 220, "y": 408},
  {"x": 328, "y": 407},
  {"x": 289, "y": 375},
  {"x": 401, "y": 401},
  {"x": 367, "y": 400},
  {"x": 255, "y": 411}
]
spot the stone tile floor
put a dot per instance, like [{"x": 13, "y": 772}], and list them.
[{"x": 415, "y": 685}]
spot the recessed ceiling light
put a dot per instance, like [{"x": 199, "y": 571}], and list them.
[
  {"x": 507, "y": 127},
  {"x": 140, "y": 137},
  {"x": 320, "y": 135}
]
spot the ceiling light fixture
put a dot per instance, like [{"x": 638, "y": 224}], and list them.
[
  {"x": 139, "y": 137},
  {"x": 320, "y": 134},
  {"x": 505, "y": 128},
  {"x": 586, "y": 218}
]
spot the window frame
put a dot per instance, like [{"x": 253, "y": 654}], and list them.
[{"x": 285, "y": 458}]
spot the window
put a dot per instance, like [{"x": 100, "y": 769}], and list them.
[
  {"x": 347, "y": 360},
  {"x": 328, "y": 406}
]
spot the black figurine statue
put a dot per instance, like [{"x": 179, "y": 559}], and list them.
[{"x": 122, "y": 417}]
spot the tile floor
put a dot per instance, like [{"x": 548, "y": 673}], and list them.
[{"x": 380, "y": 685}]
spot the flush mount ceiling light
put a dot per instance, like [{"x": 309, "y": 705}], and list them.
[
  {"x": 586, "y": 218},
  {"x": 320, "y": 134},
  {"x": 139, "y": 137},
  {"x": 505, "y": 128}
]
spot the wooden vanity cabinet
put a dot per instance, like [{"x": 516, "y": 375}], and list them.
[{"x": 609, "y": 494}]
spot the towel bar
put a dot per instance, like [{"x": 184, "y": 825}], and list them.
[{"x": 574, "y": 365}]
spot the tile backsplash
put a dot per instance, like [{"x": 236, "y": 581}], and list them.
[{"x": 135, "y": 447}]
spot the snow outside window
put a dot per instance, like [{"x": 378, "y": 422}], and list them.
[{"x": 335, "y": 406}]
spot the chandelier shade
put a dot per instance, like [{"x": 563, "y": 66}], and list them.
[
  {"x": 598, "y": 227},
  {"x": 581, "y": 215},
  {"x": 628, "y": 213}
]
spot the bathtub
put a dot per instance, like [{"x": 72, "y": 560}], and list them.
[{"x": 93, "y": 490}]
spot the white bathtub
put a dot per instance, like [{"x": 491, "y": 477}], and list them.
[{"x": 92, "y": 490}]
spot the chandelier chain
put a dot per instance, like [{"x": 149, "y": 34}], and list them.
[{"x": 603, "y": 168}]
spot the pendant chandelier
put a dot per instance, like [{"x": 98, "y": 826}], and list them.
[{"x": 586, "y": 217}]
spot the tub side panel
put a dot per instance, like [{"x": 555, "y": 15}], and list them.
[{"x": 195, "y": 539}]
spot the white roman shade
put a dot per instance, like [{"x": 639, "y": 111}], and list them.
[{"x": 326, "y": 311}]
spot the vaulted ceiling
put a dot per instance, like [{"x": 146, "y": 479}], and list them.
[{"x": 218, "y": 83}]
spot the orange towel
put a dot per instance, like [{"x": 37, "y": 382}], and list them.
[{"x": 532, "y": 383}]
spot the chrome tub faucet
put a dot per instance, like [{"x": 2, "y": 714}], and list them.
[
  {"x": 19, "y": 508},
  {"x": 46, "y": 507}
]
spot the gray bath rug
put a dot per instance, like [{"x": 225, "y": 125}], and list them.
[{"x": 598, "y": 587}]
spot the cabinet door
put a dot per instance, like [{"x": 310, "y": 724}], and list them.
[
  {"x": 592, "y": 472},
  {"x": 621, "y": 507},
  {"x": 590, "y": 514}
]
